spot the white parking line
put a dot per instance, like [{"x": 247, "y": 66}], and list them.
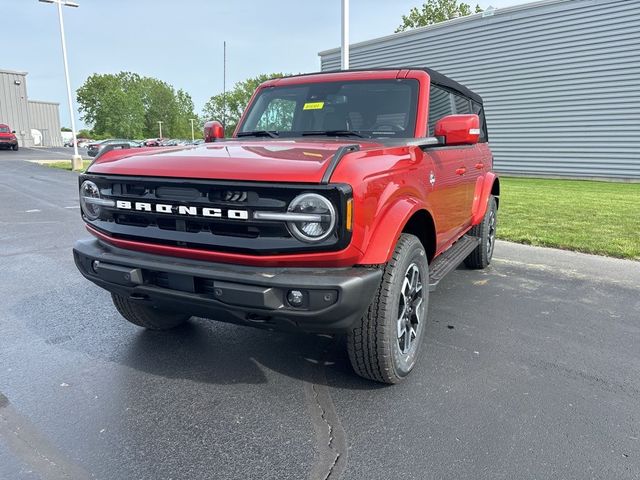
[
  {"x": 33, "y": 210},
  {"x": 73, "y": 206},
  {"x": 49, "y": 152}
]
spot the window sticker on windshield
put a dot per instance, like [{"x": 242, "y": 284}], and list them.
[{"x": 313, "y": 106}]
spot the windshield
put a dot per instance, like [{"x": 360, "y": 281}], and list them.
[{"x": 370, "y": 108}]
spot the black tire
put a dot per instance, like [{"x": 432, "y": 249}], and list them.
[
  {"x": 15, "y": 147},
  {"x": 374, "y": 345},
  {"x": 486, "y": 231},
  {"x": 147, "y": 317}
]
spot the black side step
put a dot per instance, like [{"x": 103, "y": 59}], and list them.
[{"x": 450, "y": 259}]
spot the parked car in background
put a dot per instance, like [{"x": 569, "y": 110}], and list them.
[
  {"x": 81, "y": 142},
  {"x": 173, "y": 142},
  {"x": 152, "y": 142},
  {"x": 8, "y": 137},
  {"x": 94, "y": 149}
]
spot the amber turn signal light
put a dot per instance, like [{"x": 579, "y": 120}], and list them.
[{"x": 349, "y": 219}]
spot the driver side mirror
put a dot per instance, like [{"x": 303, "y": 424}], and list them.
[
  {"x": 13, "y": 131},
  {"x": 212, "y": 131},
  {"x": 458, "y": 129}
]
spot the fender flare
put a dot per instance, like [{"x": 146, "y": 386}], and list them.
[
  {"x": 484, "y": 187},
  {"x": 383, "y": 240}
]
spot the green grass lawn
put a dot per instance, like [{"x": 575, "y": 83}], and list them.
[
  {"x": 66, "y": 164},
  {"x": 586, "y": 216}
]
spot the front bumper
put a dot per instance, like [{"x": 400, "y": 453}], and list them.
[{"x": 334, "y": 298}]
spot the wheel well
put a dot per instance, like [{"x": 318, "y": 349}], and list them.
[
  {"x": 421, "y": 225},
  {"x": 495, "y": 191}
]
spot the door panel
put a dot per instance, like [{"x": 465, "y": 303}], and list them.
[{"x": 452, "y": 192}]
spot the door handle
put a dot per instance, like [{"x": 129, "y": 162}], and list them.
[
  {"x": 479, "y": 166},
  {"x": 461, "y": 171}
]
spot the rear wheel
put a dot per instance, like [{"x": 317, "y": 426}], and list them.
[
  {"x": 147, "y": 317},
  {"x": 384, "y": 346},
  {"x": 486, "y": 231},
  {"x": 15, "y": 147}
]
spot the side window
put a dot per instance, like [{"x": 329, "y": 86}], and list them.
[
  {"x": 463, "y": 104},
  {"x": 278, "y": 115},
  {"x": 440, "y": 105},
  {"x": 478, "y": 109}
]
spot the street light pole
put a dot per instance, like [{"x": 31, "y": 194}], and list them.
[
  {"x": 160, "y": 122},
  {"x": 76, "y": 160},
  {"x": 193, "y": 136},
  {"x": 345, "y": 35}
]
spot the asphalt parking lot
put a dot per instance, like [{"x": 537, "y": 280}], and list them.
[
  {"x": 530, "y": 371},
  {"x": 41, "y": 153}
]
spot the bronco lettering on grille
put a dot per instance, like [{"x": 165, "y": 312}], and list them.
[{"x": 193, "y": 211}]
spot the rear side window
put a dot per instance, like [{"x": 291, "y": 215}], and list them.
[
  {"x": 462, "y": 104},
  {"x": 444, "y": 102},
  {"x": 440, "y": 105},
  {"x": 478, "y": 109}
]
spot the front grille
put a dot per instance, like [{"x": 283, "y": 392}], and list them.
[{"x": 233, "y": 229}]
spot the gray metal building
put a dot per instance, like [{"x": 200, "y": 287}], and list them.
[
  {"x": 23, "y": 115},
  {"x": 560, "y": 80},
  {"x": 45, "y": 117}
]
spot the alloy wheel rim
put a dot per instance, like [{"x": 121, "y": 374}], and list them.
[
  {"x": 492, "y": 234},
  {"x": 410, "y": 310}
]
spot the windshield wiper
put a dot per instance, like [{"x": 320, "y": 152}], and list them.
[
  {"x": 335, "y": 133},
  {"x": 259, "y": 133}
]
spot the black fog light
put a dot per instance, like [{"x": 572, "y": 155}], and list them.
[
  {"x": 295, "y": 298},
  {"x": 94, "y": 266}
]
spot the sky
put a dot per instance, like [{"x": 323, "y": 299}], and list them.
[{"x": 180, "y": 41}]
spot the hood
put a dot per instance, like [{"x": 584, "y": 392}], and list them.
[{"x": 263, "y": 160}]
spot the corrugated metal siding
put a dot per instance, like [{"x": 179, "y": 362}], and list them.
[
  {"x": 45, "y": 116},
  {"x": 560, "y": 80},
  {"x": 13, "y": 105}
]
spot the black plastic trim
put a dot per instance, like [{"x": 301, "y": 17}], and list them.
[
  {"x": 335, "y": 160},
  {"x": 266, "y": 245},
  {"x": 263, "y": 303}
]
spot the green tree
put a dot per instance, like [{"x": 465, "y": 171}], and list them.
[
  {"x": 186, "y": 109},
  {"x": 228, "y": 108},
  {"x": 129, "y": 105},
  {"x": 112, "y": 105},
  {"x": 435, "y": 11}
]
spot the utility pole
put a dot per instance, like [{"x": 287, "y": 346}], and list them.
[
  {"x": 193, "y": 137},
  {"x": 76, "y": 159},
  {"x": 345, "y": 35},
  {"x": 224, "y": 84},
  {"x": 160, "y": 122}
]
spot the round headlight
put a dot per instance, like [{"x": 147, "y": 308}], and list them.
[
  {"x": 312, "y": 204},
  {"x": 89, "y": 193}
]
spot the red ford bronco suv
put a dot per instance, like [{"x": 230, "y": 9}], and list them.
[
  {"x": 341, "y": 200},
  {"x": 8, "y": 137}
]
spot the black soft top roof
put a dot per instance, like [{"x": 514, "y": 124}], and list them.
[
  {"x": 436, "y": 77},
  {"x": 444, "y": 81}
]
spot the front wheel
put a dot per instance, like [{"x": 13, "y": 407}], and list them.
[
  {"x": 384, "y": 346},
  {"x": 15, "y": 147},
  {"x": 145, "y": 316}
]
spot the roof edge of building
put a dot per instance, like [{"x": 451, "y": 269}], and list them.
[
  {"x": 13, "y": 72},
  {"x": 474, "y": 16}
]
